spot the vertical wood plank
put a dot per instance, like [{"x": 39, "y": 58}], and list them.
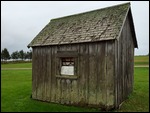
[
  {"x": 53, "y": 78},
  {"x": 110, "y": 73},
  {"x": 86, "y": 71},
  {"x": 74, "y": 92},
  {"x": 44, "y": 73},
  {"x": 48, "y": 68},
  {"x": 120, "y": 71},
  {"x": 92, "y": 74},
  {"x": 58, "y": 96},
  {"x": 105, "y": 76},
  {"x": 81, "y": 80},
  {"x": 34, "y": 68},
  {"x": 101, "y": 96},
  {"x": 40, "y": 78},
  {"x": 116, "y": 75},
  {"x": 57, "y": 100},
  {"x": 52, "y": 74},
  {"x": 63, "y": 91},
  {"x": 33, "y": 74},
  {"x": 68, "y": 90},
  {"x": 38, "y": 69},
  {"x": 125, "y": 71}
]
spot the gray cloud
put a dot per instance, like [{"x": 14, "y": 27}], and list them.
[{"x": 22, "y": 21}]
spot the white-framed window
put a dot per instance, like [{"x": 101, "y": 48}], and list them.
[{"x": 67, "y": 66}]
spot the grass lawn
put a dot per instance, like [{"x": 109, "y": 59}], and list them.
[
  {"x": 141, "y": 60},
  {"x": 17, "y": 65}
]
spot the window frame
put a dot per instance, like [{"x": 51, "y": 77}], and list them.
[
  {"x": 65, "y": 63},
  {"x": 66, "y": 54}
]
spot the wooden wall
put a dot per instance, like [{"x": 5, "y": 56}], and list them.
[
  {"x": 94, "y": 85},
  {"x": 124, "y": 63}
]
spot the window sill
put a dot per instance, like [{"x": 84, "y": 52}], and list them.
[{"x": 67, "y": 76}]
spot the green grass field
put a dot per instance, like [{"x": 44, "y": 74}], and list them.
[
  {"x": 141, "y": 60},
  {"x": 18, "y": 65},
  {"x": 16, "y": 91}
]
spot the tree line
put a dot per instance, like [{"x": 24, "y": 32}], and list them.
[{"x": 15, "y": 55}]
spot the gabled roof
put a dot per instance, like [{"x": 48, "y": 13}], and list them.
[{"x": 97, "y": 25}]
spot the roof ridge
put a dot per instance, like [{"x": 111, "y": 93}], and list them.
[{"x": 90, "y": 11}]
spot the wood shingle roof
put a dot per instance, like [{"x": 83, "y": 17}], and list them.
[{"x": 97, "y": 25}]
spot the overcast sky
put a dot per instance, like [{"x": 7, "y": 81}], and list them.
[{"x": 22, "y": 21}]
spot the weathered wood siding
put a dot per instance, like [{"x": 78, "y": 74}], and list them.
[
  {"x": 94, "y": 84},
  {"x": 124, "y": 64},
  {"x": 104, "y": 72}
]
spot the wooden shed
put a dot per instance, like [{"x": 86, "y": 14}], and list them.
[{"x": 85, "y": 59}]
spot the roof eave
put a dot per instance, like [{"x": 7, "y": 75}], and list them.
[
  {"x": 123, "y": 24},
  {"x": 132, "y": 28},
  {"x": 108, "y": 39}
]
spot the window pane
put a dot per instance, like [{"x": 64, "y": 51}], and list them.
[
  {"x": 63, "y": 63},
  {"x": 67, "y": 70},
  {"x": 72, "y": 59},
  {"x": 72, "y": 64},
  {"x": 67, "y": 61}
]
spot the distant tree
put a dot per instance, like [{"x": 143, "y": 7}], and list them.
[
  {"x": 2, "y": 55},
  {"x": 5, "y": 54},
  {"x": 21, "y": 54},
  {"x": 15, "y": 55},
  {"x": 25, "y": 55},
  {"x": 30, "y": 55}
]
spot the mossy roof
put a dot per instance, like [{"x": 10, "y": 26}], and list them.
[{"x": 97, "y": 25}]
